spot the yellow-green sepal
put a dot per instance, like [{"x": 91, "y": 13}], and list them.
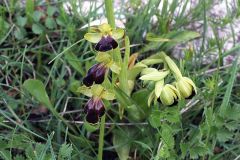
[
  {"x": 93, "y": 37},
  {"x": 105, "y": 28},
  {"x": 155, "y": 76},
  {"x": 148, "y": 70},
  {"x": 85, "y": 91}
]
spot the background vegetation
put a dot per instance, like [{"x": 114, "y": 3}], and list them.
[{"x": 33, "y": 33}]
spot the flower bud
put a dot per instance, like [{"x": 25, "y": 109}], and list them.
[
  {"x": 173, "y": 67},
  {"x": 169, "y": 95},
  {"x": 186, "y": 87},
  {"x": 95, "y": 74}
]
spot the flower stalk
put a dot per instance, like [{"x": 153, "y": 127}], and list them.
[{"x": 111, "y": 21}]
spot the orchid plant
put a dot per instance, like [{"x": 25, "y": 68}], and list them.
[{"x": 167, "y": 94}]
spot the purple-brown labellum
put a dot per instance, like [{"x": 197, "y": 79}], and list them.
[
  {"x": 92, "y": 117},
  {"x": 100, "y": 107},
  {"x": 99, "y": 75},
  {"x": 105, "y": 44},
  {"x": 89, "y": 79},
  {"x": 94, "y": 109},
  {"x": 95, "y": 74},
  {"x": 89, "y": 105}
]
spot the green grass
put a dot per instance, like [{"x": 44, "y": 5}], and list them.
[{"x": 54, "y": 52}]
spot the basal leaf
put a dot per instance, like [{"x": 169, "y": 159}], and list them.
[{"x": 37, "y": 90}]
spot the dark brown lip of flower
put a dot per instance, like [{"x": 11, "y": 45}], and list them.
[
  {"x": 94, "y": 109},
  {"x": 92, "y": 117},
  {"x": 95, "y": 74},
  {"x": 105, "y": 44}
]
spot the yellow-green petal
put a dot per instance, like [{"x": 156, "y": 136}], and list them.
[
  {"x": 117, "y": 33},
  {"x": 159, "y": 87},
  {"x": 108, "y": 95},
  {"x": 175, "y": 91},
  {"x": 191, "y": 83}
]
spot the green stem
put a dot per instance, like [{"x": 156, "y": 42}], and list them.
[
  {"x": 101, "y": 137},
  {"x": 110, "y": 13},
  {"x": 111, "y": 21}
]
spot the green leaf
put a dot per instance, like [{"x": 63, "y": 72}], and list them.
[
  {"x": 153, "y": 38},
  {"x": 141, "y": 98},
  {"x": 172, "y": 115},
  {"x": 21, "y": 21},
  {"x": 50, "y": 23},
  {"x": 123, "y": 76},
  {"x": 5, "y": 154},
  {"x": 65, "y": 151},
  {"x": 74, "y": 62},
  {"x": 233, "y": 113},
  {"x": 227, "y": 95},
  {"x": 37, "y": 15},
  {"x": 20, "y": 33},
  {"x": 122, "y": 97},
  {"x": 209, "y": 116},
  {"x": 37, "y": 90},
  {"x": 197, "y": 151},
  {"x": 155, "y": 119},
  {"x": 51, "y": 10},
  {"x": 37, "y": 28},
  {"x": 44, "y": 154},
  {"x": 121, "y": 145},
  {"x": 184, "y": 149},
  {"x": 175, "y": 37},
  {"x": 143, "y": 145},
  {"x": 224, "y": 135},
  {"x": 167, "y": 136}
]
